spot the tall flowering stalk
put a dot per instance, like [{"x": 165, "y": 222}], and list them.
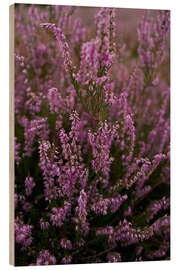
[
  {"x": 62, "y": 42},
  {"x": 152, "y": 36}
]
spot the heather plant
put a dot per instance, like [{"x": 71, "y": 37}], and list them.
[{"x": 92, "y": 135}]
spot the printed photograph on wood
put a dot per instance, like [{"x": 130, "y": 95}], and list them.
[{"x": 92, "y": 135}]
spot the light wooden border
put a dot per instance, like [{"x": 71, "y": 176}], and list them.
[{"x": 11, "y": 134}]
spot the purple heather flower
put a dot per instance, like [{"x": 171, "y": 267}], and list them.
[
  {"x": 17, "y": 157},
  {"x": 22, "y": 233},
  {"x": 156, "y": 206},
  {"x": 66, "y": 260},
  {"x": 29, "y": 185},
  {"x": 101, "y": 142},
  {"x": 59, "y": 215},
  {"x": 45, "y": 258},
  {"x": 63, "y": 43},
  {"x": 81, "y": 212},
  {"x": 44, "y": 224},
  {"x": 152, "y": 34},
  {"x": 66, "y": 244}
]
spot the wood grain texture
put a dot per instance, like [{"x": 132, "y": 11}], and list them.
[{"x": 11, "y": 135}]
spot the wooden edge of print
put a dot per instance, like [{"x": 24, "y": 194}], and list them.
[{"x": 11, "y": 134}]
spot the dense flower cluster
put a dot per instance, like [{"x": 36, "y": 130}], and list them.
[{"x": 92, "y": 135}]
